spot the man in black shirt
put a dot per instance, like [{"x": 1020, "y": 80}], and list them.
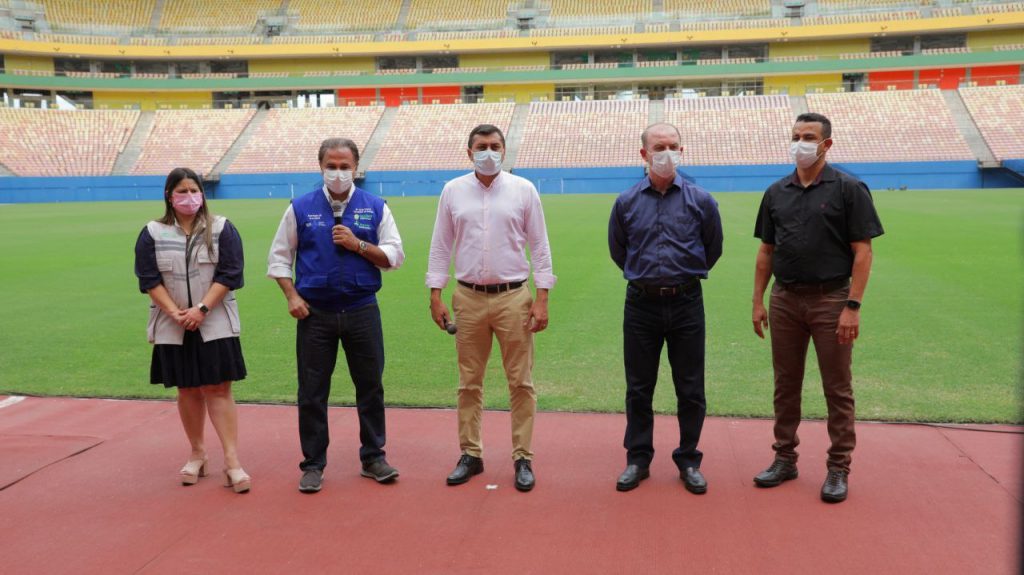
[{"x": 816, "y": 227}]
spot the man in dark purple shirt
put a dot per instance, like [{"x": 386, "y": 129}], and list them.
[{"x": 666, "y": 235}]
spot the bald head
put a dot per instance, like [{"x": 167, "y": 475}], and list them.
[{"x": 661, "y": 129}]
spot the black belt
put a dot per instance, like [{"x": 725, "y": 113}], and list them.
[
  {"x": 815, "y": 288},
  {"x": 494, "y": 288},
  {"x": 672, "y": 290}
]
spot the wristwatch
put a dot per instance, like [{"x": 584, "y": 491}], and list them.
[
  {"x": 202, "y": 307},
  {"x": 362, "y": 246},
  {"x": 853, "y": 304}
]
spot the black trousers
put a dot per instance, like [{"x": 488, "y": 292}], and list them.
[
  {"x": 316, "y": 349},
  {"x": 648, "y": 323}
]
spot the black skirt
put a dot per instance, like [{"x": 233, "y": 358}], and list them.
[{"x": 195, "y": 362}]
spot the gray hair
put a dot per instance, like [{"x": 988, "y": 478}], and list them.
[
  {"x": 336, "y": 144},
  {"x": 643, "y": 136}
]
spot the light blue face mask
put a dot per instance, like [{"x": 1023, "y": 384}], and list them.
[
  {"x": 487, "y": 162},
  {"x": 665, "y": 162}
]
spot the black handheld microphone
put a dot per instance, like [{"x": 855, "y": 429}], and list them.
[
  {"x": 450, "y": 327},
  {"x": 337, "y": 207}
]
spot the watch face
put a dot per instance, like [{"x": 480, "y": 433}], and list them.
[{"x": 852, "y": 304}]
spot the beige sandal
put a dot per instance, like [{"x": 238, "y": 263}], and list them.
[
  {"x": 193, "y": 470},
  {"x": 237, "y": 479}
]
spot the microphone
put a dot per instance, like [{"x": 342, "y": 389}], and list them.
[
  {"x": 450, "y": 327},
  {"x": 337, "y": 207}
]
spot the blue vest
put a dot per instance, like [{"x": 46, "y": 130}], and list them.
[{"x": 331, "y": 277}]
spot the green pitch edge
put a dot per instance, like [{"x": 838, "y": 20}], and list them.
[{"x": 502, "y": 77}]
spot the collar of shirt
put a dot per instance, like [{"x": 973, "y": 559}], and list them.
[
  {"x": 827, "y": 174},
  {"x": 344, "y": 203},
  {"x": 495, "y": 183},
  {"x": 677, "y": 184}
]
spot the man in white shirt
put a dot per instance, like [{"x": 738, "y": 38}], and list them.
[
  {"x": 485, "y": 219},
  {"x": 338, "y": 238}
]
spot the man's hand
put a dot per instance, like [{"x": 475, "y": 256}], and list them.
[
  {"x": 760, "y": 318},
  {"x": 538, "y": 320},
  {"x": 849, "y": 326},
  {"x": 439, "y": 311},
  {"x": 343, "y": 236},
  {"x": 297, "y": 307}
]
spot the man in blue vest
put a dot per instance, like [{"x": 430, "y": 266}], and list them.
[{"x": 333, "y": 297}]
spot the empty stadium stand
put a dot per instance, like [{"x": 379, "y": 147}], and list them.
[
  {"x": 317, "y": 16},
  {"x": 434, "y": 137},
  {"x": 998, "y": 111},
  {"x": 195, "y": 139},
  {"x": 690, "y": 8},
  {"x": 205, "y": 16},
  {"x": 92, "y": 15},
  {"x": 63, "y": 143},
  {"x": 288, "y": 139},
  {"x": 576, "y": 9},
  {"x": 721, "y": 131},
  {"x": 583, "y": 134},
  {"x": 892, "y": 126},
  {"x": 445, "y": 13}
]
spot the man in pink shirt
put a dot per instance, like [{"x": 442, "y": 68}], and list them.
[{"x": 485, "y": 219}]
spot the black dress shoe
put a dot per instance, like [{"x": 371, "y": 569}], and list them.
[
  {"x": 632, "y": 477},
  {"x": 467, "y": 467},
  {"x": 776, "y": 473},
  {"x": 694, "y": 480},
  {"x": 524, "y": 475},
  {"x": 834, "y": 489}
]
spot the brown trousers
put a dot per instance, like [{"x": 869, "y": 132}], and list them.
[
  {"x": 481, "y": 317},
  {"x": 795, "y": 318}
]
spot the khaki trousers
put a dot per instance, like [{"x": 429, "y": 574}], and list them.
[{"x": 480, "y": 317}]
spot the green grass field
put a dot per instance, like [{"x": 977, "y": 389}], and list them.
[{"x": 941, "y": 326}]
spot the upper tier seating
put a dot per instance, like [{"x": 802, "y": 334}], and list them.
[
  {"x": 445, "y": 13},
  {"x": 892, "y": 126},
  {"x": 998, "y": 112},
  {"x": 288, "y": 139},
  {"x": 102, "y": 15},
  {"x": 219, "y": 16},
  {"x": 319, "y": 16},
  {"x": 583, "y": 134},
  {"x": 576, "y": 9},
  {"x": 732, "y": 130},
  {"x": 63, "y": 142},
  {"x": 685, "y": 8},
  {"x": 196, "y": 139},
  {"x": 433, "y": 137}
]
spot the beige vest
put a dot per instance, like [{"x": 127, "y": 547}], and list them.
[{"x": 222, "y": 321}]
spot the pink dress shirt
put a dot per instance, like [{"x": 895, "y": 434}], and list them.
[{"x": 487, "y": 229}]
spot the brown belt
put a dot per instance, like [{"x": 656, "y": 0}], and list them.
[
  {"x": 815, "y": 288},
  {"x": 493, "y": 288}
]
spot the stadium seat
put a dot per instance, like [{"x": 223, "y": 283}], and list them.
[
  {"x": 447, "y": 14},
  {"x": 63, "y": 142},
  {"x": 196, "y": 139},
  {"x": 891, "y": 126},
  {"x": 732, "y": 130},
  {"x": 583, "y": 134},
  {"x": 288, "y": 139},
  {"x": 998, "y": 111},
  {"x": 319, "y": 16},
  {"x": 98, "y": 15},
  {"x": 433, "y": 137},
  {"x": 204, "y": 16},
  {"x": 703, "y": 8}
]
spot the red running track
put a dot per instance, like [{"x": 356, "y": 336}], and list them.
[{"x": 90, "y": 486}]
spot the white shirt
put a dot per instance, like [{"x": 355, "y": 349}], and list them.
[
  {"x": 487, "y": 229},
  {"x": 286, "y": 241}
]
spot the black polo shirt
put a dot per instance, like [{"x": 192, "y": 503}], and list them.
[{"x": 812, "y": 228}]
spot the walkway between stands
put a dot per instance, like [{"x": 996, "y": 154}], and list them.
[{"x": 90, "y": 486}]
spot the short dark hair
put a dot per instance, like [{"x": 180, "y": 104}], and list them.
[
  {"x": 826, "y": 125},
  {"x": 485, "y": 130},
  {"x": 336, "y": 143}
]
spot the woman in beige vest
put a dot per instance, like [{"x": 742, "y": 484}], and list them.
[{"x": 190, "y": 262}]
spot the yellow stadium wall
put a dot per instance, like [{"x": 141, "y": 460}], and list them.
[
  {"x": 985, "y": 40},
  {"x": 297, "y": 66},
  {"x": 800, "y": 85},
  {"x": 521, "y": 92},
  {"x": 825, "y": 49},
  {"x": 16, "y": 62},
  {"x": 152, "y": 100},
  {"x": 506, "y": 59}
]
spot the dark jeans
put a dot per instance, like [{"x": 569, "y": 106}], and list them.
[
  {"x": 648, "y": 323},
  {"x": 795, "y": 319},
  {"x": 316, "y": 348}
]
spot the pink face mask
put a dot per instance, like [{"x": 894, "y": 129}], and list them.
[{"x": 187, "y": 204}]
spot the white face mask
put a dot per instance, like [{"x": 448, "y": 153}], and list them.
[
  {"x": 338, "y": 181},
  {"x": 664, "y": 163},
  {"x": 805, "y": 154},
  {"x": 487, "y": 162}
]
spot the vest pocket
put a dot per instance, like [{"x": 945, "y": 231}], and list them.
[
  {"x": 231, "y": 308},
  {"x": 165, "y": 264},
  {"x": 154, "y": 313}
]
